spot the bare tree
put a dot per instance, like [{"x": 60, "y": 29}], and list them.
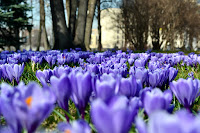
[
  {"x": 162, "y": 20},
  {"x": 99, "y": 24},
  {"x": 134, "y": 22},
  {"x": 62, "y": 36},
  {"x": 81, "y": 24},
  {"x": 90, "y": 17},
  {"x": 192, "y": 21},
  {"x": 30, "y": 30},
  {"x": 72, "y": 17},
  {"x": 42, "y": 28}
]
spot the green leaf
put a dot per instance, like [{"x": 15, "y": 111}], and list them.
[
  {"x": 68, "y": 114},
  {"x": 59, "y": 114},
  {"x": 93, "y": 128}
]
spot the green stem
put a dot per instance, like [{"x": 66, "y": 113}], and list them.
[
  {"x": 68, "y": 114},
  {"x": 93, "y": 128},
  {"x": 78, "y": 113},
  {"x": 24, "y": 131},
  {"x": 174, "y": 101},
  {"x": 59, "y": 114},
  {"x": 37, "y": 66}
]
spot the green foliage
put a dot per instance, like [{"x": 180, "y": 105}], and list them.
[
  {"x": 17, "y": 10},
  {"x": 13, "y": 17}
]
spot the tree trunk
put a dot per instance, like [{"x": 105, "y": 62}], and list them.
[
  {"x": 61, "y": 34},
  {"x": 42, "y": 28},
  {"x": 39, "y": 37},
  {"x": 190, "y": 42},
  {"x": 30, "y": 32},
  {"x": 81, "y": 24},
  {"x": 125, "y": 36},
  {"x": 156, "y": 38},
  {"x": 125, "y": 15},
  {"x": 88, "y": 29},
  {"x": 30, "y": 42},
  {"x": 17, "y": 45},
  {"x": 72, "y": 17},
  {"x": 99, "y": 24},
  {"x": 140, "y": 42}
]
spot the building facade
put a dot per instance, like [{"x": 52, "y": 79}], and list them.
[{"x": 111, "y": 34}]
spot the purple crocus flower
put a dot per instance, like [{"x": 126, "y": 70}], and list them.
[
  {"x": 44, "y": 76},
  {"x": 62, "y": 89},
  {"x": 98, "y": 58},
  {"x": 11, "y": 60},
  {"x": 172, "y": 73},
  {"x": 162, "y": 122},
  {"x": 35, "y": 59},
  {"x": 78, "y": 126},
  {"x": 123, "y": 71},
  {"x": 105, "y": 87},
  {"x": 156, "y": 100},
  {"x": 61, "y": 59},
  {"x": 7, "y": 71},
  {"x": 1, "y": 73},
  {"x": 11, "y": 71},
  {"x": 163, "y": 77},
  {"x": 81, "y": 89},
  {"x": 139, "y": 73},
  {"x": 153, "y": 65},
  {"x": 26, "y": 105},
  {"x": 93, "y": 68},
  {"x": 24, "y": 58},
  {"x": 153, "y": 79},
  {"x": 2, "y": 61},
  {"x": 50, "y": 59},
  {"x": 186, "y": 90},
  {"x": 0, "y": 107},
  {"x": 128, "y": 86},
  {"x": 7, "y": 105},
  {"x": 70, "y": 58},
  {"x": 17, "y": 71},
  {"x": 114, "y": 117},
  {"x": 139, "y": 88},
  {"x": 16, "y": 56},
  {"x": 131, "y": 61},
  {"x": 140, "y": 63},
  {"x": 59, "y": 71},
  {"x": 5, "y": 130}
]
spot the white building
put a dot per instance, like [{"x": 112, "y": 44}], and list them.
[{"x": 111, "y": 35}]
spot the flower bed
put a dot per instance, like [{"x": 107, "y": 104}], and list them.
[{"x": 109, "y": 92}]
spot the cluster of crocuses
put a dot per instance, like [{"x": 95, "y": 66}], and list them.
[
  {"x": 162, "y": 122},
  {"x": 157, "y": 75},
  {"x": 106, "y": 59},
  {"x": 114, "y": 96},
  {"x": 11, "y": 71},
  {"x": 122, "y": 90}
]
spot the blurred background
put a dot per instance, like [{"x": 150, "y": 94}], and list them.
[{"x": 166, "y": 25}]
